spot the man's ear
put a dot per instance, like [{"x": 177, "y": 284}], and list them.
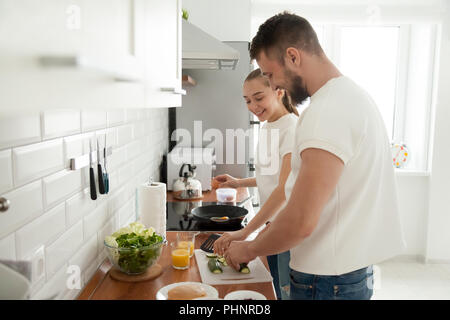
[{"x": 293, "y": 56}]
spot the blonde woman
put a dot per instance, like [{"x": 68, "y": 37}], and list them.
[{"x": 273, "y": 166}]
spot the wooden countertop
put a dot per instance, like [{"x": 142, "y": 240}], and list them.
[{"x": 103, "y": 287}]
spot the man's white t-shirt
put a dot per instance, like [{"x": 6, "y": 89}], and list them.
[
  {"x": 275, "y": 141},
  {"x": 360, "y": 224}
]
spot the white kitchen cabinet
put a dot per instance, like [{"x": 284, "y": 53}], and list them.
[
  {"x": 163, "y": 78},
  {"x": 71, "y": 54},
  {"x": 89, "y": 54}
]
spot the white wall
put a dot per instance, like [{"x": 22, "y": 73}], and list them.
[
  {"x": 438, "y": 244},
  {"x": 344, "y": 11},
  {"x": 227, "y": 20},
  {"x": 50, "y": 204},
  {"x": 413, "y": 203}
]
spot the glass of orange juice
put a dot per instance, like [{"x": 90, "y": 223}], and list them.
[
  {"x": 186, "y": 240},
  {"x": 180, "y": 256}
]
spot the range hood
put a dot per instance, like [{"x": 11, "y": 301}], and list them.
[{"x": 202, "y": 51}]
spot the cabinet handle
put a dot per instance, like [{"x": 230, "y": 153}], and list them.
[
  {"x": 125, "y": 69},
  {"x": 174, "y": 90},
  {"x": 4, "y": 204}
]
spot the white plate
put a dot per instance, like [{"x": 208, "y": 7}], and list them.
[
  {"x": 244, "y": 294},
  {"x": 163, "y": 292}
]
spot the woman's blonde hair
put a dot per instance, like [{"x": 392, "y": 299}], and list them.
[{"x": 257, "y": 74}]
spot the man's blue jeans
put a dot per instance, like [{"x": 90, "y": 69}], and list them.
[
  {"x": 279, "y": 269},
  {"x": 355, "y": 285}
]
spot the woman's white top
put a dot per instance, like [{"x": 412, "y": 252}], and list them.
[{"x": 276, "y": 139}]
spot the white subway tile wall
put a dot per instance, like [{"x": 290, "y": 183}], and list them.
[
  {"x": 6, "y": 181},
  {"x": 95, "y": 220},
  {"x": 16, "y": 131},
  {"x": 86, "y": 254},
  {"x": 63, "y": 248},
  {"x": 42, "y": 230},
  {"x": 75, "y": 146},
  {"x": 61, "y": 185},
  {"x": 8, "y": 248},
  {"x": 25, "y": 205},
  {"x": 58, "y": 123},
  {"x": 78, "y": 206},
  {"x": 51, "y": 205},
  {"x": 37, "y": 160},
  {"x": 93, "y": 119},
  {"x": 115, "y": 117}
]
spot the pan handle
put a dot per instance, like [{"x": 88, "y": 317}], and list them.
[{"x": 241, "y": 203}]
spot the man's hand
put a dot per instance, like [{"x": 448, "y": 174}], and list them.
[
  {"x": 237, "y": 253},
  {"x": 221, "y": 245}
]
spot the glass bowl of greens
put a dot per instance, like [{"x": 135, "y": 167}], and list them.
[{"x": 134, "y": 249}]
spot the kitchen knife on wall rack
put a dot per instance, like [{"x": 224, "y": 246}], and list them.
[
  {"x": 100, "y": 174},
  {"x": 91, "y": 174},
  {"x": 105, "y": 173}
]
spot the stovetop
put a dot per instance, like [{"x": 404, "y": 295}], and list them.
[{"x": 179, "y": 218}]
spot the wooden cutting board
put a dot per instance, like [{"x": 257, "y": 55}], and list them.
[
  {"x": 258, "y": 272},
  {"x": 153, "y": 272}
]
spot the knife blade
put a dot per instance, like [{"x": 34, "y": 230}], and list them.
[{"x": 101, "y": 182}]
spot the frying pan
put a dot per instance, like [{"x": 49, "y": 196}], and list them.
[{"x": 221, "y": 213}]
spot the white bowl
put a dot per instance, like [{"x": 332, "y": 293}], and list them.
[
  {"x": 14, "y": 285},
  {"x": 244, "y": 295},
  {"x": 226, "y": 194}
]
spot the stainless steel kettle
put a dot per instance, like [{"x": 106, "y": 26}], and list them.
[{"x": 186, "y": 187}]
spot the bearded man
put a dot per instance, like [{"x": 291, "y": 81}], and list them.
[{"x": 341, "y": 215}]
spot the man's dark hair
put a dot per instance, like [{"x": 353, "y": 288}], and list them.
[{"x": 282, "y": 31}]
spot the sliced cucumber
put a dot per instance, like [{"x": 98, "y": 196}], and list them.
[
  {"x": 222, "y": 261},
  {"x": 211, "y": 255},
  {"x": 214, "y": 266},
  {"x": 243, "y": 268}
]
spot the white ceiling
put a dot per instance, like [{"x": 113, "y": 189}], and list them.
[{"x": 353, "y": 2}]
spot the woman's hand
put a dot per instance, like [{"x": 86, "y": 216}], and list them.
[
  {"x": 225, "y": 181},
  {"x": 222, "y": 244}
]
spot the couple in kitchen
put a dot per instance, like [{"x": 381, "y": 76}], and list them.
[{"x": 330, "y": 210}]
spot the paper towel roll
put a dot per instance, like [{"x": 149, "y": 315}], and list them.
[{"x": 152, "y": 206}]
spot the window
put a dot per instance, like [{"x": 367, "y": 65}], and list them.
[
  {"x": 369, "y": 55},
  {"x": 394, "y": 64}
]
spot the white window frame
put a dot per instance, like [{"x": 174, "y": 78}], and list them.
[{"x": 331, "y": 45}]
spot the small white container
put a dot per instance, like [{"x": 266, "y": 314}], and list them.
[{"x": 226, "y": 195}]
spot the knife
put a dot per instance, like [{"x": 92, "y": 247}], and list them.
[
  {"x": 101, "y": 182},
  {"x": 91, "y": 174},
  {"x": 105, "y": 175}
]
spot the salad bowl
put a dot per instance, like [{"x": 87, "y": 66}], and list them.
[{"x": 134, "y": 249}]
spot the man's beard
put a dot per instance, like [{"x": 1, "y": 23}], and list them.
[{"x": 295, "y": 88}]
